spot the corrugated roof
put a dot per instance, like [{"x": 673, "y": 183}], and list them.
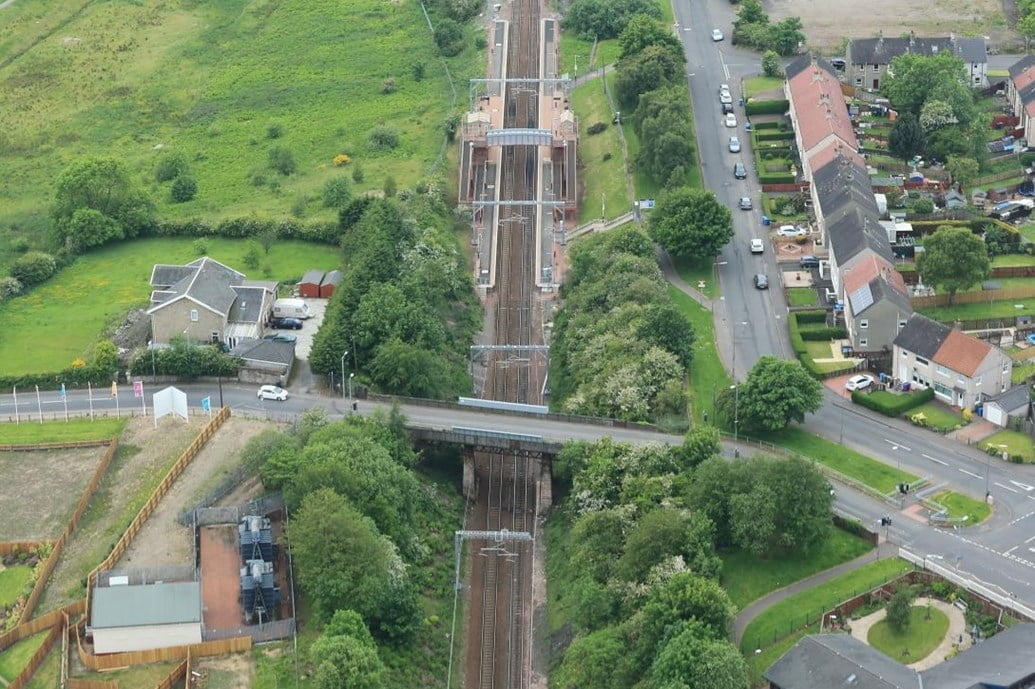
[
  {"x": 881, "y": 51},
  {"x": 819, "y": 109},
  {"x": 332, "y": 278},
  {"x": 150, "y": 604},
  {"x": 962, "y": 353}
]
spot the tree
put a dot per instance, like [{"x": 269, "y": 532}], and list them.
[
  {"x": 663, "y": 123},
  {"x": 274, "y": 455},
  {"x": 915, "y": 77},
  {"x": 699, "y": 444},
  {"x": 106, "y": 357},
  {"x": 663, "y": 325},
  {"x": 692, "y": 659},
  {"x": 345, "y": 655},
  {"x": 997, "y": 240},
  {"x": 750, "y": 12},
  {"x": 89, "y": 228},
  {"x": 599, "y": 660},
  {"x": 691, "y": 223},
  {"x": 771, "y": 66},
  {"x": 449, "y": 37},
  {"x": 599, "y": 539},
  {"x": 184, "y": 188},
  {"x": 408, "y": 369},
  {"x": 777, "y": 392},
  {"x": 606, "y": 18},
  {"x": 787, "y": 35},
  {"x": 753, "y": 519},
  {"x": 170, "y": 166},
  {"x": 651, "y": 68},
  {"x": 33, "y": 268},
  {"x": 802, "y": 495},
  {"x": 390, "y": 187},
  {"x": 953, "y": 258},
  {"x": 907, "y": 137},
  {"x": 336, "y": 192},
  {"x": 282, "y": 160},
  {"x": 664, "y": 533},
  {"x": 104, "y": 185},
  {"x": 644, "y": 31},
  {"x": 681, "y": 597},
  {"x": 962, "y": 169},
  {"x": 936, "y": 114},
  {"x": 899, "y": 610},
  {"x": 923, "y": 207}
]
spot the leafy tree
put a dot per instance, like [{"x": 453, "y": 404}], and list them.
[
  {"x": 753, "y": 519},
  {"x": 599, "y": 539},
  {"x": 899, "y": 608},
  {"x": 777, "y": 392},
  {"x": 282, "y": 160},
  {"x": 683, "y": 596},
  {"x": 802, "y": 495},
  {"x": 33, "y": 268},
  {"x": 699, "y": 444},
  {"x": 907, "y": 137},
  {"x": 345, "y": 655},
  {"x": 750, "y": 12},
  {"x": 694, "y": 660},
  {"x": 336, "y": 192},
  {"x": 771, "y": 66},
  {"x": 646, "y": 70},
  {"x": 184, "y": 188},
  {"x": 170, "y": 166},
  {"x": 787, "y": 35},
  {"x": 449, "y": 37},
  {"x": 914, "y": 77},
  {"x": 691, "y": 223},
  {"x": 411, "y": 370},
  {"x": 664, "y": 533},
  {"x": 106, "y": 356},
  {"x": 1026, "y": 27},
  {"x": 644, "y": 31},
  {"x": 664, "y": 326},
  {"x": 599, "y": 660},
  {"x": 962, "y": 169},
  {"x": 595, "y": 605},
  {"x": 953, "y": 258},
  {"x": 663, "y": 123},
  {"x": 936, "y": 114},
  {"x": 273, "y": 454},
  {"x": 89, "y": 228},
  {"x": 104, "y": 185},
  {"x": 606, "y": 18},
  {"x": 923, "y": 207},
  {"x": 997, "y": 240}
]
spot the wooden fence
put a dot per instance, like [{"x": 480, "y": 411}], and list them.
[
  {"x": 976, "y": 297},
  {"x": 13, "y": 547},
  {"x": 997, "y": 177},
  {"x": 177, "y": 675},
  {"x": 111, "y": 661},
  {"x": 53, "y": 446},
  {"x": 145, "y": 512},
  {"x": 27, "y": 629},
  {"x": 37, "y": 658},
  {"x": 76, "y": 683}
]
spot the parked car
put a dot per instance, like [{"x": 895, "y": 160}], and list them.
[
  {"x": 757, "y": 246},
  {"x": 717, "y": 35},
  {"x": 286, "y": 324},
  {"x": 726, "y": 97},
  {"x": 791, "y": 231},
  {"x": 739, "y": 171},
  {"x": 761, "y": 281},
  {"x": 731, "y": 120},
  {"x": 745, "y": 203},
  {"x": 808, "y": 262},
  {"x": 727, "y": 107},
  {"x": 273, "y": 392},
  {"x": 724, "y": 87},
  {"x": 860, "y": 382},
  {"x": 734, "y": 145},
  {"x": 281, "y": 337}
]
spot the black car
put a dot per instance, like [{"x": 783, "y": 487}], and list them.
[
  {"x": 739, "y": 171},
  {"x": 286, "y": 324},
  {"x": 727, "y": 107},
  {"x": 761, "y": 281}
]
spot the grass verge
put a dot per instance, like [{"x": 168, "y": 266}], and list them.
[
  {"x": 747, "y": 578},
  {"x": 877, "y": 475},
  {"x": 603, "y": 180},
  {"x": 963, "y": 506},
  {"x": 1017, "y": 444},
  {"x": 921, "y": 636},
  {"x": 695, "y": 271},
  {"x": 74, "y": 430},
  {"x": 707, "y": 374}
]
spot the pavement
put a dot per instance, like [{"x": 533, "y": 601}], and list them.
[{"x": 957, "y": 630}]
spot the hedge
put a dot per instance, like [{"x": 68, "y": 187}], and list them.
[
  {"x": 186, "y": 362},
  {"x": 767, "y": 125},
  {"x": 774, "y": 151},
  {"x": 766, "y": 107},
  {"x": 72, "y": 378},
  {"x": 236, "y": 228},
  {"x": 773, "y": 136},
  {"x": 776, "y": 178},
  {"x": 889, "y": 404},
  {"x": 814, "y": 316},
  {"x": 822, "y": 334},
  {"x": 798, "y": 345}
]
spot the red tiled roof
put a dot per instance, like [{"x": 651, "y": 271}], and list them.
[
  {"x": 830, "y": 151},
  {"x": 819, "y": 107},
  {"x": 1024, "y": 78},
  {"x": 1030, "y": 108},
  {"x": 869, "y": 269},
  {"x": 962, "y": 353}
]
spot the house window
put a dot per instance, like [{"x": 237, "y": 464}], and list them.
[
  {"x": 901, "y": 324},
  {"x": 215, "y": 337},
  {"x": 859, "y": 82},
  {"x": 864, "y": 323},
  {"x": 921, "y": 360},
  {"x": 977, "y": 381},
  {"x": 943, "y": 391},
  {"x": 194, "y": 315},
  {"x": 863, "y": 342},
  {"x": 942, "y": 371},
  {"x": 876, "y": 67},
  {"x": 904, "y": 354}
]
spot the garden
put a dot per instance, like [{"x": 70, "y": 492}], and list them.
[
  {"x": 19, "y": 570},
  {"x": 811, "y": 339},
  {"x": 1019, "y": 446}
]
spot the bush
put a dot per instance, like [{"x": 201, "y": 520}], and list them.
[
  {"x": 776, "y": 178},
  {"x": 10, "y": 287},
  {"x": 823, "y": 334},
  {"x": 383, "y": 138},
  {"x": 815, "y": 316},
  {"x": 282, "y": 160},
  {"x": 889, "y": 404},
  {"x": 417, "y": 70},
  {"x": 596, "y": 128},
  {"x": 388, "y": 86},
  {"x": 186, "y": 361},
  {"x": 200, "y": 247},
  {"x": 274, "y": 130},
  {"x": 33, "y": 268},
  {"x": 184, "y": 188},
  {"x": 766, "y": 107},
  {"x": 923, "y": 207},
  {"x": 336, "y": 192},
  {"x": 170, "y": 166},
  {"x": 448, "y": 37},
  {"x": 480, "y": 43}
]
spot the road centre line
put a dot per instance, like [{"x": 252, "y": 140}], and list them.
[
  {"x": 1030, "y": 539},
  {"x": 944, "y": 464},
  {"x": 897, "y": 446},
  {"x": 968, "y": 473}
]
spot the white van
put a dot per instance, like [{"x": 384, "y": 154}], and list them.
[{"x": 291, "y": 308}]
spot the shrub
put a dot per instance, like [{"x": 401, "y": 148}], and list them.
[
  {"x": 448, "y": 37},
  {"x": 823, "y": 334},
  {"x": 815, "y": 316},
  {"x": 383, "y": 138},
  {"x": 890, "y": 404},
  {"x": 257, "y": 178},
  {"x": 451, "y": 125},
  {"x": 417, "y": 70},
  {"x": 596, "y": 128},
  {"x": 33, "y": 268},
  {"x": 766, "y": 107},
  {"x": 390, "y": 187},
  {"x": 186, "y": 361},
  {"x": 357, "y": 174},
  {"x": 184, "y": 188},
  {"x": 923, "y": 207},
  {"x": 19, "y": 245},
  {"x": 252, "y": 256},
  {"x": 170, "y": 166},
  {"x": 10, "y": 287},
  {"x": 282, "y": 160},
  {"x": 341, "y": 159},
  {"x": 274, "y": 130},
  {"x": 200, "y": 247},
  {"x": 480, "y": 43},
  {"x": 336, "y": 192},
  {"x": 388, "y": 86}
]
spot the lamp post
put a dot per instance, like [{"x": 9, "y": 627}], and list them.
[
  {"x": 343, "y": 373},
  {"x": 715, "y": 269},
  {"x": 351, "y": 376}
]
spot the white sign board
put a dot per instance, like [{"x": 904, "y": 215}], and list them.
[{"x": 169, "y": 401}]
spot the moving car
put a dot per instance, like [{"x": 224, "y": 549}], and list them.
[
  {"x": 761, "y": 281},
  {"x": 745, "y": 203},
  {"x": 286, "y": 324},
  {"x": 739, "y": 171},
  {"x": 731, "y": 120},
  {"x": 281, "y": 337},
  {"x": 717, "y": 35},
  {"x": 734, "y": 145},
  {"x": 273, "y": 392},
  {"x": 860, "y": 382},
  {"x": 757, "y": 246},
  {"x": 791, "y": 231}
]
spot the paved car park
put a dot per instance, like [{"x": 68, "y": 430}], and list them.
[{"x": 317, "y": 307}]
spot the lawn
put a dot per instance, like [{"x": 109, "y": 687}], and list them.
[
  {"x": 981, "y": 310},
  {"x": 1013, "y": 260},
  {"x": 920, "y": 638},
  {"x": 695, "y": 271},
  {"x": 135, "y": 80},
  {"x": 60, "y": 431},
  {"x": 960, "y": 506},
  {"x": 47, "y": 676},
  {"x": 804, "y": 609},
  {"x": 1022, "y": 372},
  {"x": 15, "y": 658},
  {"x": 13, "y": 581},
  {"x": 46, "y": 329},
  {"x": 802, "y": 296},
  {"x": 746, "y": 578},
  {"x": 1017, "y": 443},
  {"x": 939, "y": 417},
  {"x": 877, "y": 475},
  {"x": 760, "y": 84},
  {"x": 601, "y": 179},
  {"x": 816, "y": 349},
  {"x": 707, "y": 374}
]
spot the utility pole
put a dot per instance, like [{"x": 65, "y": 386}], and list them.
[{"x": 343, "y": 373}]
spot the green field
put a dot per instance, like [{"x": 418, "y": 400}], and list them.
[
  {"x": 15, "y": 658},
  {"x": 134, "y": 80},
  {"x": 960, "y": 506},
  {"x": 60, "y": 431},
  {"x": 747, "y": 578},
  {"x": 707, "y": 374},
  {"x": 13, "y": 580},
  {"x": 602, "y": 180},
  {"x": 46, "y": 329},
  {"x": 920, "y": 638}
]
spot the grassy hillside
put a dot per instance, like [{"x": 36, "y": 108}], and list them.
[{"x": 138, "y": 79}]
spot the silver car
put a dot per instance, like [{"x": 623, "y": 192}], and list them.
[{"x": 734, "y": 145}]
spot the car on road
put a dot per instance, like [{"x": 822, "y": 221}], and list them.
[
  {"x": 286, "y": 324},
  {"x": 273, "y": 392},
  {"x": 727, "y": 107},
  {"x": 726, "y": 98},
  {"x": 734, "y": 145},
  {"x": 791, "y": 231},
  {"x": 281, "y": 337},
  {"x": 757, "y": 246},
  {"x": 860, "y": 382},
  {"x": 761, "y": 281},
  {"x": 717, "y": 35},
  {"x": 731, "y": 120},
  {"x": 739, "y": 171},
  {"x": 724, "y": 87},
  {"x": 745, "y": 203}
]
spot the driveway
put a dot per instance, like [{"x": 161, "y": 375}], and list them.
[{"x": 317, "y": 307}]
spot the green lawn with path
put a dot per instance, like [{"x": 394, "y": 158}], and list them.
[
  {"x": 802, "y": 296},
  {"x": 15, "y": 658},
  {"x": 601, "y": 179},
  {"x": 695, "y": 271},
  {"x": 73, "y": 430},
  {"x": 1016, "y": 443},
  {"x": 59, "y": 321},
  {"x": 747, "y": 578},
  {"x": 13, "y": 581},
  {"x": 707, "y": 374},
  {"x": 918, "y": 640},
  {"x": 960, "y": 506},
  {"x": 938, "y": 416}
]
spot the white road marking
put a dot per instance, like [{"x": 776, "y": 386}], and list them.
[
  {"x": 1012, "y": 490},
  {"x": 1023, "y": 486},
  {"x": 944, "y": 464},
  {"x": 1011, "y": 550},
  {"x": 898, "y": 445},
  {"x": 1030, "y": 539},
  {"x": 968, "y": 473}
]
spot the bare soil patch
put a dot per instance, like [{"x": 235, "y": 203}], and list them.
[
  {"x": 828, "y": 22},
  {"x": 220, "y": 582},
  {"x": 228, "y": 672},
  {"x": 163, "y": 541},
  {"x": 39, "y": 490}
]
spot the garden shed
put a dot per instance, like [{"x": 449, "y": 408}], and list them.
[
  {"x": 136, "y": 618},
  {"x": 309, "y": 285},
  {"x": 330, "y": 282}
]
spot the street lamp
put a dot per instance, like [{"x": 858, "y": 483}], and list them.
[
  {"x": 343, "y": 373},
  {"x": 351, "y": 376},
  {"x": 715, "y": 269}
]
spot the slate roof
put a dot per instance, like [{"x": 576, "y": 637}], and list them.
[
  {"x": 833, "y": 661},
  {"x": 873, "y": 280},
  {"x": 881, "y": 50},
  {"x": 799, "y": 64},
  {"x": 832, "y": 150},
  {"x": 922, "y": 336},
  {"x": 163, "y": 275},
  {"x": 247, "y": 308},
  {"x": 841, "y": 181},
  {"x": 819, "y": 108},
  {"x": 1025, "y": 67},
  {"x": 312, "y": 277},
  {"x": 150, "y": 604},
  {"x": 1027, "y": 95},
  {"x": 943, "y": 345},
  {"x": 1005, "y": 660},
  {"x": 265, "y": 351},
  {"x": 1015, "y": 398},
  {"x": 205, "y": 281}
]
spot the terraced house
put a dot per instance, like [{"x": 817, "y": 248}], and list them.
[{"x": 1021, "y": 92}]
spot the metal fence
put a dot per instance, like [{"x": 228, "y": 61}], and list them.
[
  {"x": 138, "y": 576},
  {"x": 259, "y": 633},
  {"x": 209, "y": 516}
]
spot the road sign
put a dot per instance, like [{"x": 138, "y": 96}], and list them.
[
  {"x": 646, "y": 204},
  {"x": 63, "y": 390},
  {"x": 138, "y": 388},
  {"x": 114, "y": 389},
  {"x": 206, "y": 404}
]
